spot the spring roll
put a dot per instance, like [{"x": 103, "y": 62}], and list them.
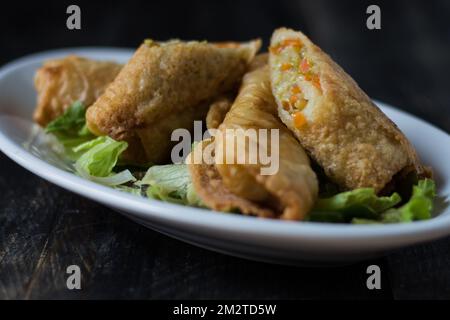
[
  {"x": 287, "y": 193},
  {"x": 209, "y": 186},
  {"x": 163, "y": 87},
  {"x": 335, "y": 121},
  {"x": 220, "y": 107},
  {"x": 217, "y": 111},
  {"x": 61, "y": 82}
]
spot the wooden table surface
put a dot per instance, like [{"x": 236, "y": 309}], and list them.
[{"x": 44, "y": 229}]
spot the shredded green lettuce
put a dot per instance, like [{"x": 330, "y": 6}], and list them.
[
  {"x": 419, "y": 206},
  {"x": 363, "y": 206},
  {"x": 343, "y": 207},
  {"x": 100, "y": 156},
  {"x": 98, "y": 160},
  {"x": 70, "y": 129},
  {"x": 171, "y": 183},
  {"x": 94, "y": 157}
]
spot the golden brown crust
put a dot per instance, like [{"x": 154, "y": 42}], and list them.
[
  {"x": 209, "y": 186},
  {"x": 158, "y": 137},
  {"x": 259, "y": 61},
  {"x": 164, "y": 79},
  {"x": 291, "y": 191},
  {"x": 351, "y": 139},
  {"x": 222, "y": 105},
  {"x": 217, "y": 111},
  {"x": 61, "y": 82}
]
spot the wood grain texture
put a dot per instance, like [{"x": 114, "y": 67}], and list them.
[{"x": 44, "y": 228}]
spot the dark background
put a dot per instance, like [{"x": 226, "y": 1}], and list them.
[{"x": 44, "y": 228}]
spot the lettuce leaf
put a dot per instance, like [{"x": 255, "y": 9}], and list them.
[
  {"x": 70, "y": 128},
  {"x": 419, "y": 206},
  {"x": 99, "y": 157},
  {"x": 343, "y": 207},
  {"x": 362, "y": 206},
  {"x": 171, "y": 183}
]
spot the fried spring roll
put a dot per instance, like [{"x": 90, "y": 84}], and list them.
[
  {"x": 335, "y": 121},
  {"x": 288, "y": 193},
  {"x": 163, "y": 87},
  {"x": 218, "y": 111},
  {"x": 61, "y": 82},
  {"x": 222, "y": 105},
  {"x": 210, "y": 187}
]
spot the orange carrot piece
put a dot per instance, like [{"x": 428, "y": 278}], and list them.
[
  {"x": 286, "y": 66},
  {"x": 305, "y": 66},
  {"x": 299, "y": 119},
  {"x": 296, "y": 89}
]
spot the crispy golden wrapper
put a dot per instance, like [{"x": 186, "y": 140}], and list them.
[
  {"x": 334, "y": 120},
  {"x": 163, "y": 87},
  {"x": 61, "y": 82},
  {"x": 217, "y": 111},
  {"x": 209, "y": 186},
  {"x": 289, "y": 193},
  {"x": 222, "y": 105}
]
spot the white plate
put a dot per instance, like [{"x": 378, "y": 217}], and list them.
[{"x": 269, "y": 240}]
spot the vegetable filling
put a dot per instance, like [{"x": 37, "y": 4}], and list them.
[{"x": 301, "y": 75}]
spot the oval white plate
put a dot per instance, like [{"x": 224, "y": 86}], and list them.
[{"x": 269, "y": 240}]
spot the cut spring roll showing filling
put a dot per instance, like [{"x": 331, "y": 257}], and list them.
[
  {"x": 288, "y": 192},
  {"x": 61, "y": 82},
  {"x": 163, "y": 87},
  {"x": 335, "y": 121}
]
